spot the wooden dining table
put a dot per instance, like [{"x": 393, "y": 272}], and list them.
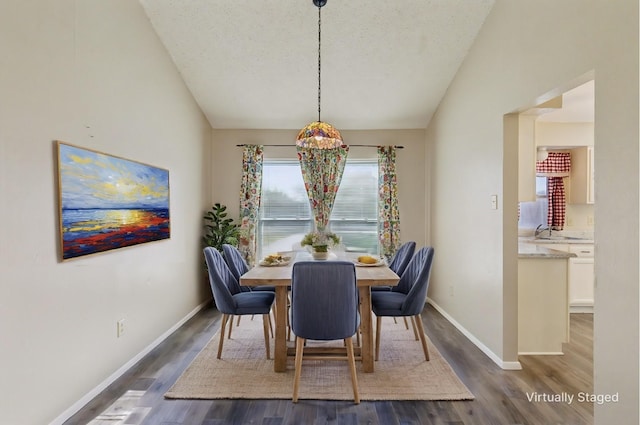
[{"x": 280, "y": 278}]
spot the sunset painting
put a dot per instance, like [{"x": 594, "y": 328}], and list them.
[{"x": 107, "y": 202}]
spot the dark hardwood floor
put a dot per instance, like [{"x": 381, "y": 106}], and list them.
[{"x": 502, "y": 397}]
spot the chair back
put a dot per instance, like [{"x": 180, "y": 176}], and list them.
[
  {"x": 223, "y": 284},
  {"x": 419, "y": 271},
  {"x": 324, "y": 300},
  {"x": 235, "y": 262},
  {"x": 401, "y": 260}
]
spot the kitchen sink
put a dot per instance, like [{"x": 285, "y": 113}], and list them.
[{"x": 561, "y": 238}]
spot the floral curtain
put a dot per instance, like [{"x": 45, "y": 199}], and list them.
[
  {"x": 322, "y": 172},
  {"x": 250, "y": 194},
  {"x": 555, "y": 167},
  {"x": 388, "y": 212}
]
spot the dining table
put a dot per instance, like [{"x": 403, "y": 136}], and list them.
[{"x": 279, "y": 276}]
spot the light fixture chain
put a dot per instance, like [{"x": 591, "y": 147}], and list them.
[{"x": 319, "y": 57}]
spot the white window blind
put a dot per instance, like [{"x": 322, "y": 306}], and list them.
[{"x": 285, "y": 216}]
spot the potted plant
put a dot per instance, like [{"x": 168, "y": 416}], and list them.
[
  {"x": 319, "y": 243},
  {"x": 219, "y": 229}
]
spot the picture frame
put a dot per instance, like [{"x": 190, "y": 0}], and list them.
[{"x": 107, "y": 202}]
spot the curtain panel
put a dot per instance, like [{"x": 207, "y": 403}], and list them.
[
  {"x": 322, "y": 173},
  {"x": 250, "y": 195},
  {"x": 557, "y": 203},
  {"x": 388, "y": 212},
  {"x": 555, "y": 167}
]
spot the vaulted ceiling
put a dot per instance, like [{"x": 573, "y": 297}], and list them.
[{"x": 254, "y": 64}]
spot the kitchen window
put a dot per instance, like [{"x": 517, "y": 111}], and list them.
[
  {"x": 285, "y": 215},
  {"x": 534, "y": 213}
]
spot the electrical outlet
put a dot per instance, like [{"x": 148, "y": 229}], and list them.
[
  {"x": 120, "y": 327},
  {"x": 494, "y": 202},
  {"x": 590, "y": 220},
  {"x": 451, "y": 290}
]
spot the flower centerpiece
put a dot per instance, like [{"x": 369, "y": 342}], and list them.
[{"x": 319, "y": 242}]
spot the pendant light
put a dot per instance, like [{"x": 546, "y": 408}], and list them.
[{"x": 319, "y": 134}]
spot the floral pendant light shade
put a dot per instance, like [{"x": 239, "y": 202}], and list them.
[{"x": 319, "y": 134}]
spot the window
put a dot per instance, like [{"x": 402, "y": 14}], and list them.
[
  {"x": 285, "y": 215},
  {"x": 534, "y": 213}
]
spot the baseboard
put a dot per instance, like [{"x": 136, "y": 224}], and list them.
[
  {"x": 581, "y": 308},
  {"x": 541, "y": 353},
  {"x": 493, "y": 356},
  {"x": 75, "y": 408}
]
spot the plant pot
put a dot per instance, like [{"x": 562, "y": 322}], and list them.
[{"x": 320, "y": 255}]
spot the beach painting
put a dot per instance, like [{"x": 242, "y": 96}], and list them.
[{"x": 107, "y": 202}]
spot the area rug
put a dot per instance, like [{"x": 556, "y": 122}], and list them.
[{"x": 401, "y": 373}]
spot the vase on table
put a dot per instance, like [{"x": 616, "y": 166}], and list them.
[{"x": 320, "y": 252}]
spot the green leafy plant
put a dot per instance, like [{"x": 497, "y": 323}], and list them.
[
  {"x": 219, "y": 229},
  {"x": 320, "y": 241}
]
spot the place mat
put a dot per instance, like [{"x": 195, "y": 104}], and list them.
[{"x": 244, "y": 373}]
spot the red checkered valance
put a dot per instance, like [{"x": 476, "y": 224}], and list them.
[{"x": 557, "y": 164}]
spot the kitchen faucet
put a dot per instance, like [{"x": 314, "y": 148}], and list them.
[{"x": 540, "y": 229}]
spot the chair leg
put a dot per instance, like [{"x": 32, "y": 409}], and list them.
[
  {"x": 287, "y": 319},
  {"x": 406, "y": 323},
  {"x": 423, "y": 337},
  {"x": 352, "y": 368},
  {"x": 266, "y": 321},
  {"x": 222, "y": 326},
  {"x": 273, "y": 310},
  {"x": 238, "y": 321},
  {"x": 413, "y": 325},
  {"x": 298, "y": 367},
  {"x": 288, "y": 325},
  {"x": 231, "y": 325},
  {"x": 378, "y": 326}
]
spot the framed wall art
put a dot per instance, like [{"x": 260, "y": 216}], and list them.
[{"x": 107, "y": 202}]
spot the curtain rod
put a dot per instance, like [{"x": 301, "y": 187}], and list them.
[{"x": 368, "y": 146}]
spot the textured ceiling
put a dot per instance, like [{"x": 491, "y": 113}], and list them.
[{"x": 253, "y": 64}]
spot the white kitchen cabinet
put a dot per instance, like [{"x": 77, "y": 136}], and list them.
[
  {"x": 582, "y": 176},
  {"x": 581, "y": 279}
]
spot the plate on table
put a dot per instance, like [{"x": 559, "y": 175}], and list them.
[
  {"x": 275, "y": 260},
  {"x": 379, "y": 262}
]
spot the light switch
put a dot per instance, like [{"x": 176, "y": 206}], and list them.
[{"x": 494, "y": 202}]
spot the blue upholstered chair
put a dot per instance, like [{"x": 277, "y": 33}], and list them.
[
  {"x": 399, "y": 262},
  {"x": 229, "y": 298},
  {"x": 238, "y": 266},
  {"x": 324, "y": 306},
  {"x": 402, "y": 257},
  {"x": 407, "y": 298}
]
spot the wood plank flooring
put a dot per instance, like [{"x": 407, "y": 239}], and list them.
[{"x": 501, "y": 396}]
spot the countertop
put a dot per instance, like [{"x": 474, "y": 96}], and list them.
[
  {"x": 531, "y": 247},
  {"x": 535, "y": 250}
]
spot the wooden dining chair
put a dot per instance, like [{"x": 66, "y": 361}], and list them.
[{"x": 324, "y": 306}]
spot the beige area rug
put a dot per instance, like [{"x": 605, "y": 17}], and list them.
[{"x": 244, "y": 373}]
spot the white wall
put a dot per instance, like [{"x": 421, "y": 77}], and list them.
[
  {"x": 227, "y": 160},
  {"x": 528, "y": 52},
  {"x": 564, "y": 133},
  {"x": 94, "y": 74}
]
